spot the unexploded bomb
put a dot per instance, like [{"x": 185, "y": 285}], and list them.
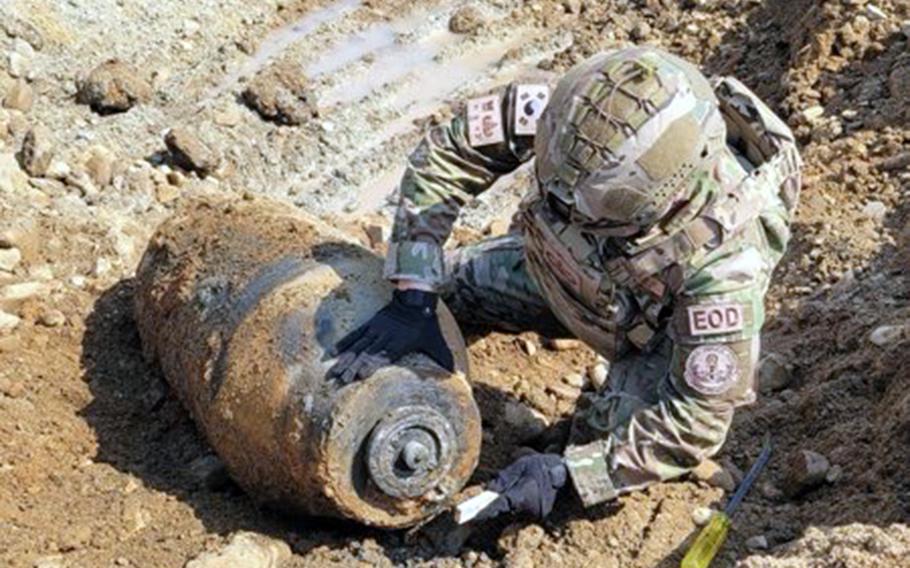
[{"x": 241, "y": 304}]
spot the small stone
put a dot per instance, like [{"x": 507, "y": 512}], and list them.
[
  {"x": 563, "y": 391},
  {"x": 377, "y": 234},
  {"x": 897, "y": 162},
  {"x": 228, "y": 117},
  {"x": 37, "y": 151},
  {"x": 209, "y": 472},
  {"x": 52, "y": 318},
  {"x": 757, "y": 542},
  {"x": 12, "y": 178},
  {"x": 54, "y": 561},
  {"x": 773, "y": 374},
  {"x": 598, "y": 373},
  {"x": 75, "y": 537},
  {"x": 770, "y": 491},
  {"x": 113, "y": 86},
  {"x": 9, "y": 258},
  {"x": 875, "y": 210},
  {"x": 466, "y": 20},
  {"x": 701, "y": 515},
  {"x": 189, "y": 152},
  {"x": 813, "y": 113},
  {"x": 21, "y": 291},
  {"x": 805, "y": 470},
  {"x": 710, "y": 472},
  {"x": 8, "y": 322},
  {"x": 576, "y": 380},
  {"x": 19, "y": 97},
  {"x": 58, "y": 169},
  {"x": 102, "y": 267},
  {"x": 886, "y": 335},
  {"x": 166, "y": 193},
  {"x": 12, "y": 388},
  {"x": 281, "y": 94},
  {"x": 497, "y": 228},
  {"x": 561, "y": 344},
  {"x": 875, "y": 13},
  {"x": 905, "y": 29},
  {"x": 100, "y": 165},
  {"x": 640, "y": 31},
  {"x": 246, "y": 549},
  {"x": 78, "y": 281},
  {"x": 528, "y": 346},
  {"x": 523, "y": 421},
  {"x": 16, "y": 65},
  {"x": 834, "y": 474}
]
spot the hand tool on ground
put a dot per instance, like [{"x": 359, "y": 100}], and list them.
[{"x": 712, "y": 537}]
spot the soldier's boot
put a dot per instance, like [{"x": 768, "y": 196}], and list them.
[{"x": 487, "y": 286}]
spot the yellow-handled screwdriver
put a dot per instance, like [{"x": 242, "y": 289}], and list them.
[{"x": 712, "y": 537}]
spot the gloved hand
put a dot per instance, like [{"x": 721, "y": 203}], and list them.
[
  {"x": 530, "y": 485},
  {"x": 406, "y": 324}
]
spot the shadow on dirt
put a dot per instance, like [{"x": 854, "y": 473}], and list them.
[{"x": 142, "y": 429}]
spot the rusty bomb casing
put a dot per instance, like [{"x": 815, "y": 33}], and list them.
[{"x": 241, "y": 303}]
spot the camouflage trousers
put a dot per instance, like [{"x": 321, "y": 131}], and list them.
[{"x": 488, "y": 286}]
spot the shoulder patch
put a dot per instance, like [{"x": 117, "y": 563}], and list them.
[
  {"x": 530, "y": 102},
  {"x": 485, "y": 121},
  {"x": 712, "y": 369},
  {"x": 710, "y": 319}
]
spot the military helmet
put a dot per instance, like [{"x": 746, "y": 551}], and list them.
[{"x": 624, "y": 135}]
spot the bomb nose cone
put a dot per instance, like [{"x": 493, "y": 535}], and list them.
[{"x": 410, "y": 451}]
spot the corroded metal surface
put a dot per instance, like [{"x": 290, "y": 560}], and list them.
[{"x": 240, "y": 304}]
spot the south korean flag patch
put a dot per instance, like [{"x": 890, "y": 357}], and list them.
[
  {"x": 712, "y": 369},
  {"x": 530, "y": 102}
]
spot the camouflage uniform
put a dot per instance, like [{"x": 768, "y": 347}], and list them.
[{"x": 677, "y": 310}]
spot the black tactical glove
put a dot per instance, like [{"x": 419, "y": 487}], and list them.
[
  {"x": 406, "y": 324},
  {"x": 529, "y": 485}
]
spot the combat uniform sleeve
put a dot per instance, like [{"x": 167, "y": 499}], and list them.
[
  {"x": 715, "y": 330},
  {"x": 492, "y": 136}
]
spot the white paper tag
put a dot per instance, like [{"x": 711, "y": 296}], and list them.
[
  {"x": 485, "y": 121},
  {"x": 530, "y": 102},
  {"x": 467, "y": 510}
]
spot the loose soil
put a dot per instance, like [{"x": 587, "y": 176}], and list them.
[{"x": 96, "y": 451}]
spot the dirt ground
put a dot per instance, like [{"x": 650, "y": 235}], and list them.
[{"x": 101, "y": 466}]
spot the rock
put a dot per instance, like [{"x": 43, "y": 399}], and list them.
[
  {"x": 21, "y": 291},
  {"x": 598, "y": 373},
  {"x": 886, "y": 335},
  {"x": 466, "y": 20},
  {"x": 561, "y": 344},
  {"x": 281, "y": 94},
  {"x": 497, "y": 228},
  {"x": 377, "y": 234},
  {"x": 209, "y": 472},
  {"x": 51, "y": 318},
  {"x": 523, "y": 421},
  {"x": 701, "y": 515},
  {"x": 189, "y": 152},
  {"x": 528, "y": 346},
  {"x": 896, "y": 162},
  {"x": 58, "y": 170},
  {"x": 773, "y": 374},
  {"x": 875, "y": 210},
  {"x": 770, "y": 491},
  {"x": 757, "y": 542},
  {"x": 710, "y": 472},
  {"x": 640, "y": 31},
  {"x": 563, "y": 391},
  {"x": 875, "y": 13},
  {"x": 113, "y": 86},
  {"x": 12, "y": 178},
  {"x": 905, "y": 29},
  {"x": 9, "y": 258},
  {"x": 19, "y": 97},
  {"x": 12, "y": 388},
  {"x": 834, "y": 474},
  {"x": 16, "y": 65},
  {"x": 100, "y": 165},
  {"x": 813, "y": 113},
  {"x": 804, "y": 470},
  {"x": 166, "y": 193},
  {"x": 8, "y": 322},
  {"x": 53, "y": 561},
  {"x": 228, "y": 117},
  {"x": 899, "y": 80},
  {"x": 246, "y": 549},
  {"x": 576, "y": 380},
  {"x": 37, "y": 151}
]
